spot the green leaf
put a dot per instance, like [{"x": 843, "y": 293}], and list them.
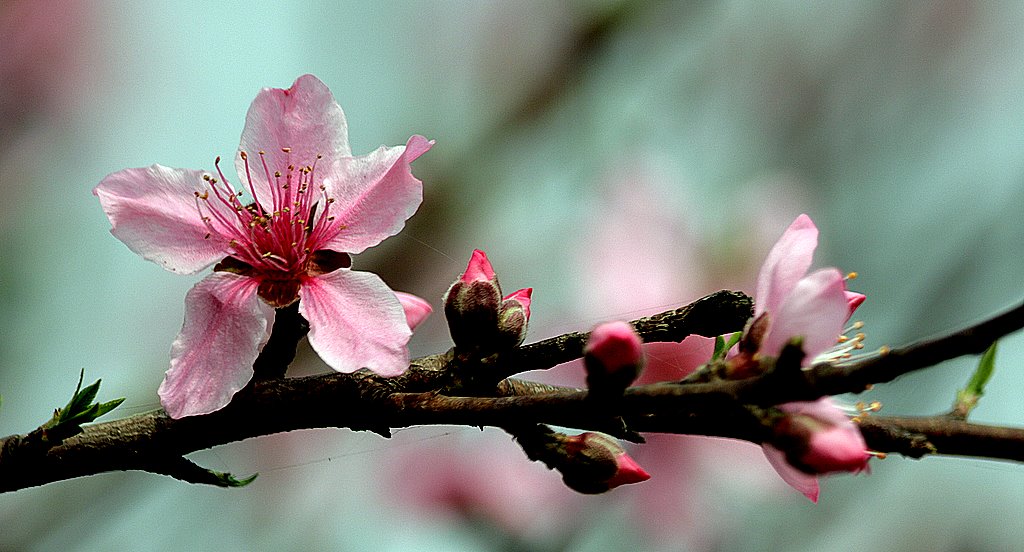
[
  {"x": 103, "y": 408},
  {"x": 722, "y": 345},
  {"x": 225, "y": 479},
  {"x": 984, "y": 371},
  {"x": 82, "y": 399},
  {"x": 967, "y": 398},
  {"x": 80, "y": 409}
]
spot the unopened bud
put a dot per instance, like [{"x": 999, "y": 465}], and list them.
[
  {"x": 514, "y": 318},
  {"x": 472, "y": 304},
  {"x": 595, "y": 463},
  {"x": 613, "y": 357},
  {"x": 416, "y": 308},
  {"x": 819, "y": 438}
]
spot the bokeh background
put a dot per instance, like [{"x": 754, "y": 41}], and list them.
[{"x": 619, "y": 157}]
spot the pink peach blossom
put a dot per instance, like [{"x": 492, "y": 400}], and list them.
[
  {"x": 308, "y": 204},
  {"x": 813, "y": 307}
]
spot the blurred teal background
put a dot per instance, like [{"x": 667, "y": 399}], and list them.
[{"x": 618, "y": 157}]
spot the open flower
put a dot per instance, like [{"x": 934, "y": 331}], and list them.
[
  {"x": 283, "y": 234},
  {"x": 789, "y": 304}
]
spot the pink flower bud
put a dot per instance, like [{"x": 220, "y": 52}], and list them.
[
  {"x": 596, "y": 463},
  {"x": 478, "y": 318},
  {"x": 818, "y": 438},
  {"x": 613, "y": 357},
  {"x": 514, "y": 318},
  {"x": 416, "y": 308},
  {"x": 523, "y": 297}
]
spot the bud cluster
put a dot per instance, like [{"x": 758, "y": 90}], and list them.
[{"x": 479, "y": 318}]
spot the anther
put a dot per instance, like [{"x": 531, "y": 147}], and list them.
[
  {"x": 851, "y": 276},
  {"x": 884, "y": 350},
  {"x": 286, "y": 150},
  {"x": 243, "y": 155}
]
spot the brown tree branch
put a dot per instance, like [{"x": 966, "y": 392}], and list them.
[{"x": 364, "y": 401}]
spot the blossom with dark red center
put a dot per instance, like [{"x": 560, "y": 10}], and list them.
[{"x": 283, "y": 234}]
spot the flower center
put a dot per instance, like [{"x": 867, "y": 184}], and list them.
[{"x": 278, "y": 235}]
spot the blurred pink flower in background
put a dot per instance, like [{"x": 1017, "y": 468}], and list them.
[
  {"x": 484, "y": 478},
  {"x": 44, "y": 67}
]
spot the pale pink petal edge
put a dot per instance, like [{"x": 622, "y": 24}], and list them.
[
  {"x": 374, "y": 195},
  {"x": 787, "y": 262},
  {"x": 805, "y": 483}
]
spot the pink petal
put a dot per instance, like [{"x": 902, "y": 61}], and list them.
[
  {"x": 304, "y": 118},
  {"x": 668, "y": 361},
  {"x": 374, "y": 195},
  {"x": 355, "y": 322},
  {"x": 225, "y": 328},
  {"x": 822, "y": 409},
  {"x": 806, "y": 483},
  {"x": 416, "y": 308},
  {"x": 816, "y": 310},
  {"x": 786, "y": 264},
  {"x": 853, "y": 300},
  {"x": 153, "y": 211}
]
